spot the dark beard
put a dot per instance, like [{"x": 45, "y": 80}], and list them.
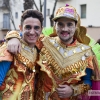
[{"x": 67, "y": 40}]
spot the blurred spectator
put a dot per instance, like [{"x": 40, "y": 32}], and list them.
[
  {"x": 98, "y": 41},
  {"x": 1, "y": 41}
]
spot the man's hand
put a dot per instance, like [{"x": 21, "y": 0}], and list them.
[
  {"x": 64, "y": 91},
  {"x": 14, "y": 46}
]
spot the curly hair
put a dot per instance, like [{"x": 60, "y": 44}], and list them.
[{"x": 32, "y": 13}]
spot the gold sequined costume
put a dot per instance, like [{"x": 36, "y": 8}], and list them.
[
  {"x": 61, "y": 64},
  {"x": 19, "y": 81}
]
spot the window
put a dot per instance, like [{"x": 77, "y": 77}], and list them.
[
  {"x": 16, "y": 15},
  {"x": 48, "y": 12},
  {"x": 83, "y": 11},
  {"x": 6, "y": 21}
]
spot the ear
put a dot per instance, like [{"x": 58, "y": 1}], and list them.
[
  {"x": 42, "y": 28},
  {"x": 20, "y": 27}
]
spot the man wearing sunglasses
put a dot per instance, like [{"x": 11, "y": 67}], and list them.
[
  {"x": 66, "y": 60},
  {"x": 17, "y": 72}
]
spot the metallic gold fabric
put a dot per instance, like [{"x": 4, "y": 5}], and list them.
[
  {"x": 26, "y": 55},
  {"x": 19, "y": 81},
  {"x": 80, "y": 89},
  {"x": 4, "y": 54},
  {"x": 12, "y": 34},
  {"x": 64, "y": 64}
]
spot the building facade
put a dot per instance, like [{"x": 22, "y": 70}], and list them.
[{"x": 10, "y": 12}]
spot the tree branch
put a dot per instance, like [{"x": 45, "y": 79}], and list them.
[
  {"x": 52, "y": 15},
  {"x": 35, "y": 5}
]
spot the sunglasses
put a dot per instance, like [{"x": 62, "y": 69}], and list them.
[{"x": 29, "y": 27}]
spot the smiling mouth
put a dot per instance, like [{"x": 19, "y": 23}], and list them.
[
  {"x": 31, "y": 37},
  {"x": 64, "y": 33}
]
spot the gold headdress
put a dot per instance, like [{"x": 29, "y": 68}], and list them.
[{"x": 70, "y": 12}]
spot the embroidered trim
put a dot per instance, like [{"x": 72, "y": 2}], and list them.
[
  {"x": 65, "y": 72},
  {"x": 27, "y": 58},
  {"x": 79, "y": 89},
  {"x": 64, "y": 69}
]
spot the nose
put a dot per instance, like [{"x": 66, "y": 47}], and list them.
[
  {"x": 32, "y": 31},
  {"x": 65, "y": 28}
]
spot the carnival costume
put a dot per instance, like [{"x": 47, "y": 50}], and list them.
[
  {"x": 66, "y": 64},
  {"x": 19, "y": 81},
  {"x": 96, "y": 49},
  {"x": 62, "y": 64}
]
